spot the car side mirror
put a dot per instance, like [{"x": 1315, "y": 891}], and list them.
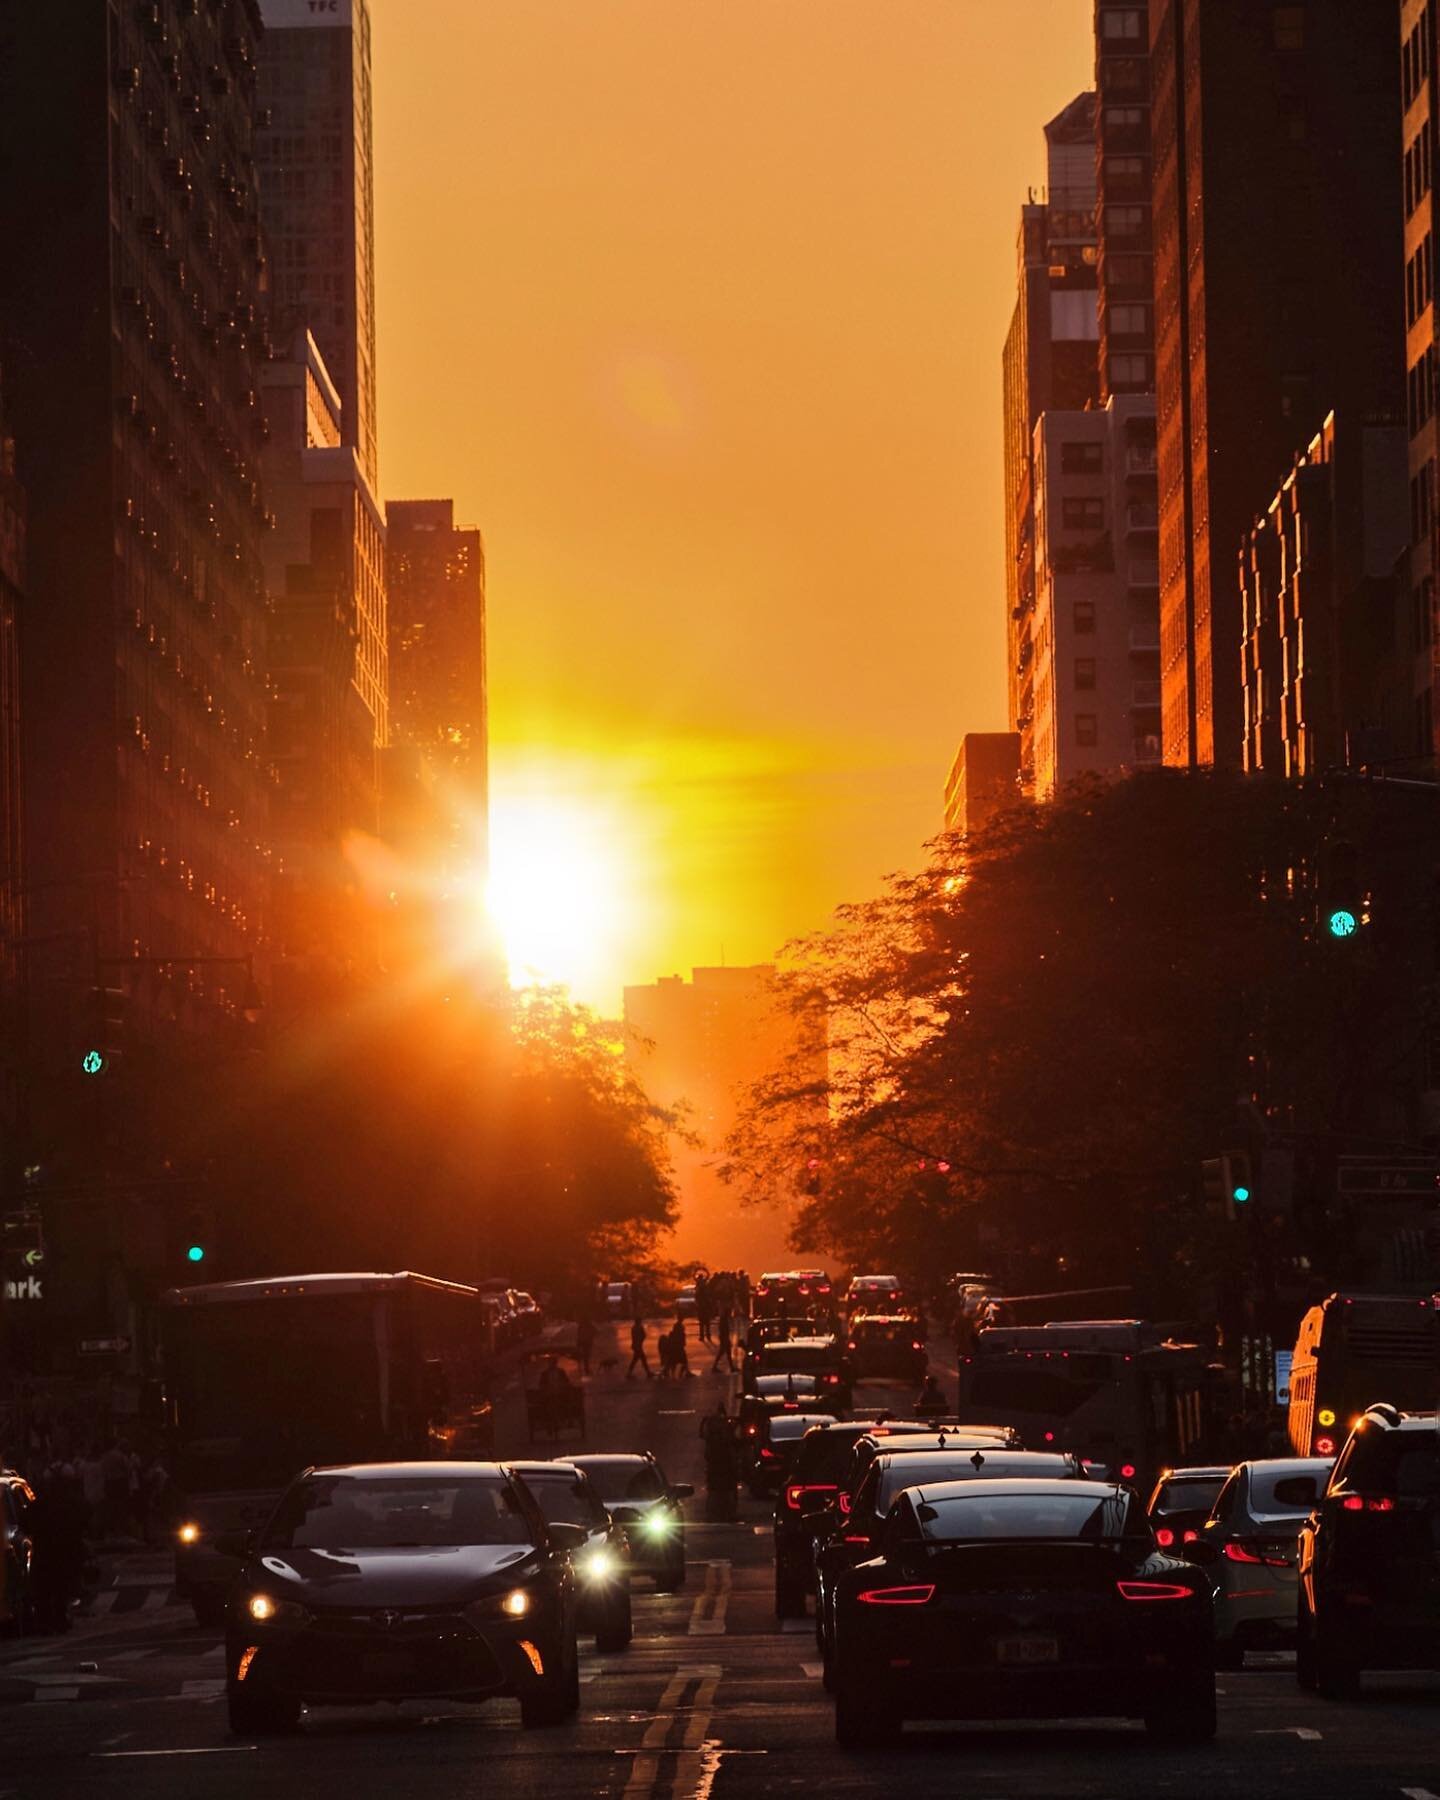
[
  {"x": 681, "y": 1490},
  {"x": 238, "y": 1544},
  {"x": 568, "y": 1537}
]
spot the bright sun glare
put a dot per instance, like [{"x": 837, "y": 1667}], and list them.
[{"x": 554, "y": 892}]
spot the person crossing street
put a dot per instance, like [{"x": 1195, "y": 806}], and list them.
[
  {"x": 638, "y": 1335},
  {"x": 724, "y": 1343}
]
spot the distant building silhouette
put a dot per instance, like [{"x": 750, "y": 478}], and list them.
[
  {"x": 984, "y": 777},
  {"x": 1419, "y": 624},
  {"x": 12, "y": 878}
]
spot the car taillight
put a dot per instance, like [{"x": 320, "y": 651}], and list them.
[
  {"x": 1164, "y": 1537},
  {"x": 1242, "y": 1553},
  {"x": 824, "y": 1288},
  {"x": 852, "y": 1345},
  {"x": 752, "y": 1431},
  {"x": 762, "y": 1289},
  {"x": 1368, "y": 1503},
  {"x": 898, "y": 1596},
  {"x": 1324, "y": 1446},
  {"x": 1190, "y": 1537},
  {"x": 1154, "y": 1590},
  {"x": 844, "y": 1503},
  {"x": 1248, "y": 1550},
  {"x": 917, "y": 1345},
  {"x": 793, "y": 1497},
  {"x": 1127, "y": 1471},
  {"x": 767, "y": 1453}
]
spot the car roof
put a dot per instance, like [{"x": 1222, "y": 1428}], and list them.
[
  {"x": 881, "y": 1319},
  {"x": 1002, "y": 1487},
  {"x": 1206, "y": 1472},
  {"x": 612, "y": 1456},
  {"x": 857, "y": 1280},
  {"x": 1050, "y": 1459},
  {"x": 434, "y": 1470},
  {"x": 1287, "y": 1465},
  {"x": 538, "y": 1466},
  {"x": 819, "y": 1340}
]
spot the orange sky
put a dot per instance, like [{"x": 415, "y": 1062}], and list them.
[{"x": 696, "y": 307}]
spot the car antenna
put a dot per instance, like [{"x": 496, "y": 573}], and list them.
[{"x": 977, "y": 1461}]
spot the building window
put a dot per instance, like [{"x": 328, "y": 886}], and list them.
[
  {"x": 1084, "y": 619},
  {"x": 1127, "y": 24},
  {"x": 1422, "y": 495},
  {"x": 1288, "y": 23},
  {"x": 1084, "y": 674},
  {"x": 1130, "y": 371},
  {"x": 1129, "y": 321},
  {"x": 1420, "y": 279},
  {"x": 1124, "y": 118},
  {"x": 1081, "y": 458},
  {"x": 1422, "y": 599},
  {"x": 1087, "y": 729},
  {"x": 1081, "y": 512},
  {"x": 1126, "y": 168},
  {"x": 1126, "y": 221}
]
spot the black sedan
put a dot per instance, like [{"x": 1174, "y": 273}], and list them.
[
  {"x": 1181, "y": 1502},
  {"x": 567, "y": 1496},
  {"x": 399, "y": 1581},
  {"x": 1021, "y": 1600},
  {"x": 638, "y": 1498}
]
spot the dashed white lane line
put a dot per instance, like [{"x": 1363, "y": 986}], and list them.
[
  {"x": 707, "y": 1617},
  {"x": 1305, "y": 1733},
  {"x": 813, "y": 1670},
  {"x": 1419, "y": 1794},
  {"x": 201, "y": 1750}
]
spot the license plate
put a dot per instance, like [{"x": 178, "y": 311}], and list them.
[
  {"x": 1027, "y": 1650},
  {"x": 387, "y": 1665}
]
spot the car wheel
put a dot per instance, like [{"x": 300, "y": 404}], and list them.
[
  {"x": 618, "y": 1629},
  {"x": 1337, "y": 1676},
  {"x": 208, "y": 1606},
  {"x": 1305, "y": 1671},
  {"x": 255, "y": 1712},
  {"x": 789, "y": 1594},
  {"x": 862, "y": 1721}
]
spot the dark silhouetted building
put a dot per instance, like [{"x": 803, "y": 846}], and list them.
[
  {"x": 1418, "y": 635},
  {"x": 1276, "y": 143},
  {"x": 1124, "y": 188},
  {"x": 1321, "y": 580},
  {"x": 132, "y": 299},
  {"x": 12, "y": 880},
  {"x": 326, "y": 566},
  {"x": 317, "y": 188},
  {"x": 1050, "y": 360},
  {"x": 436, "y": 586},
  {"x": 984, "y": 778}
]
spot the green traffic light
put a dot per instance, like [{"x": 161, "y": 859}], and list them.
[
  {"x": 92, "y": 1062},
  {"x": 1342, "y": 923},
  {"x": 1240, "y": 1195},
  {"x": 196, "y": 1253}
]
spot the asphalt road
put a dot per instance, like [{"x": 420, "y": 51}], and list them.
[{"x": 713, "y": 1701}]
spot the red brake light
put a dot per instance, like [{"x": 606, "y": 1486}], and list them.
[
  {"x": 1164, "y": 1537},
  {"x": 851, "y": 1345},
  {"x": 824, "y": 1288},
  {"x": 1368, "y": 1503},
  {"x": 844, "y": 1503},
  {"x": 793, "y": 1496},
  {"x": 1190, "y": 1537},
  {"x": 917, "y": 1345},
  {"x": 804, "y": 1287},
  {"x": 1127, "y": 1471},
  {"x": 1049, "y": 1437},
  {"x": 898, "y": 1596},
  {"x": 752, "y": 1431},
  {"x": 1241, "y": 1553},
  {"x": 763, "y": 1288},
  {"x": 767, "y": 1452},
  {"x": 1154, "y": 1590}
]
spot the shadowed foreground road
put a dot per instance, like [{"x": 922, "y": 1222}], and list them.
[{"x": 713, "y": 1701}]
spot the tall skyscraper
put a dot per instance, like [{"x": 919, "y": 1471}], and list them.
[
  {"x": 436, "y": 586},
  {"x": 1123, "y": 213},
  {"x": 132, "y": 305},
  {"x": 1420, "y": 629},
  {"x": 314, "y": 151},
  {"x": 1051, "y": 359},
  {"x": 1277, "y": 244}
]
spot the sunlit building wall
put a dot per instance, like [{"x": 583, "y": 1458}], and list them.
[
  {"x": 984, "y": 778},
  {"x": 326, "y": 569},
  {"x": 436, "y": 587},
  {"x": 12, "y": 896},
  {"x": 315, "y": 152},
  {"x": 1420, "y": 629},
  {"x": 1050, "y": 359},
  {"x": 1096, "y": 675},
  {"x": 1277, "y": 216},
  {"x": 1124, "y": 187}
]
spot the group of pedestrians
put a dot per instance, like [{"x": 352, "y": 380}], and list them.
[{"x": 719, "y": 1296}]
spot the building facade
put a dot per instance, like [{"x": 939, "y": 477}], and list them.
[
  {"x": 326, "y": 571},
  {"x": 1322, "y": 607},
  {"x": 1096, "y": 677},
  {"x": 315, "y": 151},
  {"x": 1277, "y": 223},
  {"x": 438, "y": 706},
  {"x": 984, "y": 778},
  {"x": 1124, "y": 186},
  {"x": 1419, "y": 628},
  {"x": 12, "y": 878},
  {"x": 1050, "y": 359}
]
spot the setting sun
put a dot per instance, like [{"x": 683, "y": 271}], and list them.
[{"x": 554, "y": 893}]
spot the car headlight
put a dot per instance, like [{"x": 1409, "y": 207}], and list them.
[
  {"x": 189, "y": 1533},
  {"x": 515, "y": 1603},
  {"x": 656, "y": 1524},
  {"x": 598, "y": 1565},
  {"x": 265, "y": 1609}
]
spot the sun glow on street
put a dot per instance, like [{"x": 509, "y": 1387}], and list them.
[{"x": 555, "y": 891}]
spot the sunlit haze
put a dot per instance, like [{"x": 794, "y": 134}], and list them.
[{"x": 697, "y": 310}]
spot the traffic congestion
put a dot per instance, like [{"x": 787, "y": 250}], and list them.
[{"x": 987, "y": 1523}]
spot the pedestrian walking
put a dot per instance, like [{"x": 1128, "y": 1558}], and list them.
[
  {"x": 724, "y": 1346},
  {"x": 704, "y": 1304},
  {"x": 638, "y": 1335},
  {"x": 585, "y": 1342}
]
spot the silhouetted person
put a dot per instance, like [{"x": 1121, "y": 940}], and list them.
[
  {"x": 724, "y": 1344},
  {"x": 930, "y": 1402},
  {"x": 638, "y": 1335},
  {"x": 585, "y": 1342}
]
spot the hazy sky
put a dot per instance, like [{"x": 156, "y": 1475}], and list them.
[{"x": 696, "y": 307}]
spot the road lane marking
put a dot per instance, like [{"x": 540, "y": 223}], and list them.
[
  {"x": 58, "y": 1693},
  {"x": 813, "y": 1670},
  {"x": 1419, "y": 1794},
  {"x": 1304, "y": 1732},
  {"x": 201, "y": 1750},
  {"x": 707, "y": 1616},
  {"x": 711, "y": 1756},
  {"x": 645, "y": 1770}
]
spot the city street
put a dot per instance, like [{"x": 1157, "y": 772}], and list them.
[{"x": 714, "y": 1698}]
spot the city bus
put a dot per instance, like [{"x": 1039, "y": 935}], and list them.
[
  {"x": 264, "y": 1378},
  {"x": 1109, "y": 1390},
  {"x": 1355, "y": 1349}
]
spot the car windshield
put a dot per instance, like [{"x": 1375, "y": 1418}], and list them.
[
  {"x": 917, "y": 1470},
  {"x": 565, "y": 1502},
  {"x": 789, "y": 1426},
  {"x": 1406, "y": 1463},
  {"x": 352, "y": 1512},
  {"x": 1266, "y": 1503},
  {"x": 785, "y": 1384},
  {"x": 1080, "y": 1517},
  {"x": 1196, "y": 1495},
  {"x": 800, "y": 1357},
  {"x": 625, "y": 1481}
]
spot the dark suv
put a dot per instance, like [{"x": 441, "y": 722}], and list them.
[{"x": 1369, "y": 1575}]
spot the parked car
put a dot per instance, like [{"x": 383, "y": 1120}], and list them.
[
  {"x": 1369, "y": 1557},
  {"x": 1248, "y": 1548}
]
